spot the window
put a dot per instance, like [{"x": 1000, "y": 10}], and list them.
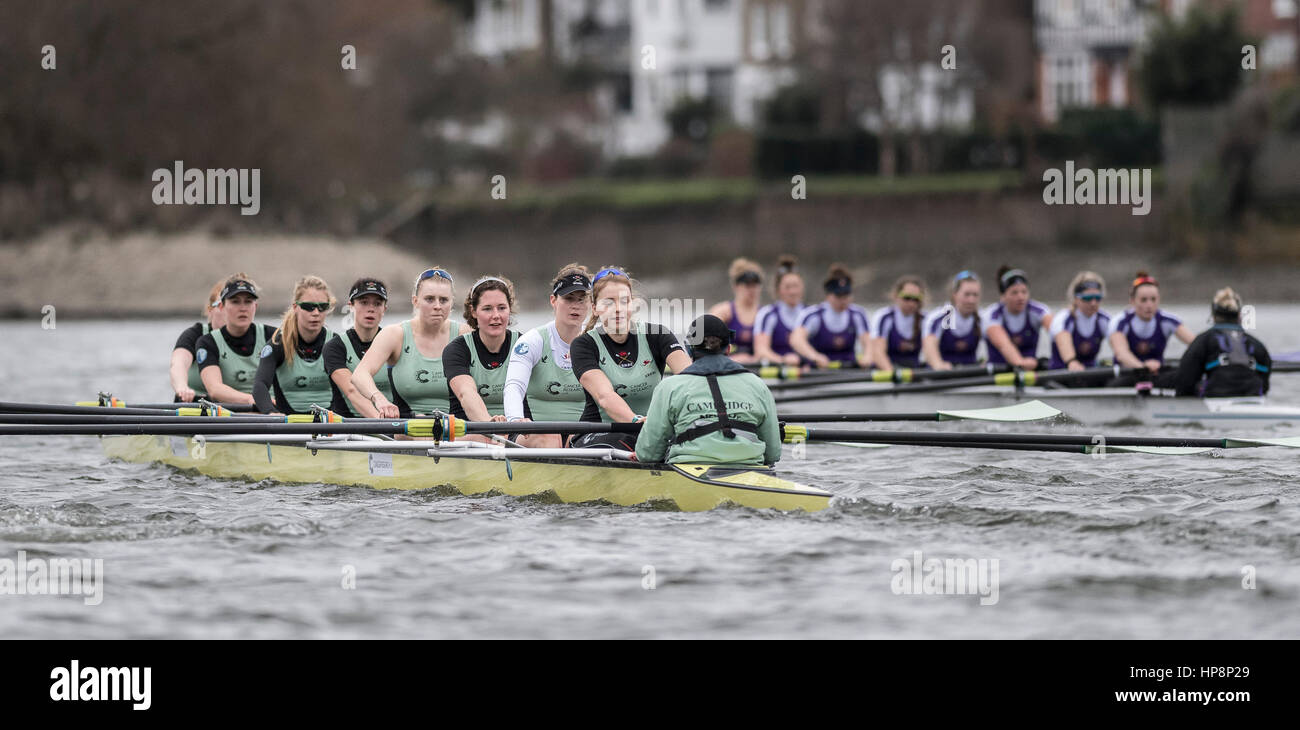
[
  {"x": 721, "y": 83},
  {"x": 758, "y": 46}
]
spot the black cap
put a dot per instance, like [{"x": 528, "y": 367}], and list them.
[
  {"x": 571, "y": 283},
  {"x": 840, "y": 287},
  {"x": 709, "y": 326},
  {"x": 238, "y": 286},
  {"x": 368, "y": 286}
]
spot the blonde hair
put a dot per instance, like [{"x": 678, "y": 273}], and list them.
[
  {"x": 481, "y": 287},
  {"x": 1079, "y": 278},
  {"x": 743, "y": 265},
  {"x": 606, "y": 280},
  {"x": 1226, "y": 300},
  {"x": 214, "y": 295},
  {"x": 288, "y": 332}
]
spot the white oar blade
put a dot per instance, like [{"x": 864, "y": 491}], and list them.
[
  {"x": 1033, "y": 410},
  {"x": 1290, "y": 442},
  {"x": 1158, "y": 450}
]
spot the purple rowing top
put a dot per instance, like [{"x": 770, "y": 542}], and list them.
[
  {"x": 778, "y": 320},
  {"x": 1088, "y": 334},
  {"x": 1023, "y": 328},
  {"x": 902, "y": 336},
  {"x": 744, "y": 341},
  {"x": 1146, "y": 337},
  {"x": 835, "y": 334},
  {"x": 959, "y": 336}
]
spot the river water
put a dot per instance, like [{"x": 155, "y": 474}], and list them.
[{"x": 1122, "y": 546}]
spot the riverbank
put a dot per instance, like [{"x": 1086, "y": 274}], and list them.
[{"x": 84, "y": 272}]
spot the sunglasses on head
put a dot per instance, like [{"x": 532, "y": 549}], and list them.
[
  {"x": 965, "y": 276},
  {"x": 430, "y": 273},
  {"x": 313, "y": 306},
  {"x": 608, "y": 272}
]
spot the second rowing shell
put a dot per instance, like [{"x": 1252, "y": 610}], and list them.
[{"x": 1087, "y": 406}]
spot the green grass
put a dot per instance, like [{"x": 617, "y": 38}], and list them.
[{"x": 632, "y": 195}]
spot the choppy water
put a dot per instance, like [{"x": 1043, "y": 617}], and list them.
[{"x": 1125, "y": 546}]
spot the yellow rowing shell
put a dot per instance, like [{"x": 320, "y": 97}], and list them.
[{"x": 691, "y": 487}]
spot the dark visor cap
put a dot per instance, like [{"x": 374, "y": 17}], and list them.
[
  {"x": 239, "y": 286},
  {"x": 709, "y": 326},
  {"x": 570, "y": 284},
  {"x": 839, "y": 287},
  {"x": 369, "y": 286}
]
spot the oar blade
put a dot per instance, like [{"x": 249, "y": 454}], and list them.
[
  {"x": 1290, "y": 442},
  {"x": 1034, "y": 410}
]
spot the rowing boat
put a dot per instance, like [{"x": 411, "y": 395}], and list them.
[
  {"x": 1086, "y": 406},
  {"x": 470, "y": 469}
]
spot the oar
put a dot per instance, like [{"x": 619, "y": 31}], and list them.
[
  {"x": 897, "y": 375},
  {"x": 437, "y": 428},
  {"x": 795, "y": 434},
  {"x": 177, "y": 409},
  {"x": 1029, "y": 411},
  {"x": 1017, "y": 378}
]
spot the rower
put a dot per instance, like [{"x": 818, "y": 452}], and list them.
[
  {"x": 830, "y": 332},
  {"x": 186, "y": 382},
  {"x": 952, "y": 332},
  {"x": 746, "y": 286},
  {"x": 775, "y": 321},
  {"x": 1012, "y": 324},
  {"x": 620, "y": 360},
  {"x": 1224, "y": 361},
  {"x": 292, "y": 367},
  {"x": 413, "y": 352},
  {"x": 1079, "y": 330},
  {"x": 713, "y": 412},
  {"x": 368, "y": 299},
  {"x": 475, "y": 363},
  {"x": 896, "y": 330},
  {"x": 540, "y": 373},
  {"x": 228, "y": 357},
  {"x": 1139, "y": 335}
]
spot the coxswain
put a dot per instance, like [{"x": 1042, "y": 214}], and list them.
[
  {"x": 619, "y": 360},
  {"x": 229, "y": 356},
  {"x": 1013, "y": 323},
  {"x": 475, "y": 363},
  {"x": 1079, "y": 330},
  {"x": 776, "y": 321},
  {"x": 953, "y": 332},
  {"x": 832, "y": 331},
  {"x": 186, "y": 382},
  {"x": 292, "y": 367},
  {"x": 1224, "y": 361},
  {"x": 713, "y": 412},
  {"x": 1138, "y": 336},
  {"x": 414, "y": 352},
  {"x": 540, "y": 374},
  {"x": 368, "y": 300},
  {"x": 896, "y": 330},
  {"x": 741, "y": 311}
]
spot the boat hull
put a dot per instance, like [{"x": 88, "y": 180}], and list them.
[
  {"x": 1087, "y": 406},
  {"x": 690, "y": 487}
]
